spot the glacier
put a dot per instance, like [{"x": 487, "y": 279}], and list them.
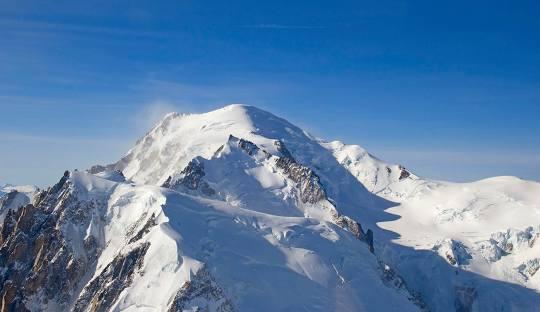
[{"x": 239, "y": 210}]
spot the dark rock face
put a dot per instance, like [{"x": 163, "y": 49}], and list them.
[
  {"x": 311, "y": 190},
  {"x": 58, "y": 186},
  {"x": 35, "y": 257},
  {"x": 356, "y": 229},
  {"x": 282, "y": 149},
  {"x": 167, "y": 182},
  {"x": 7, "y": 199},
  {"x": 145, "y": 229},
  {"x": 249, "y": 147},
  {"x": 41, "y": 264},
  {"x": 392, "y": 279},
  {"x": 455, "y": 252},
  {"x": 101, "y": 293},
  {"x": 97, "y": 169},
  {"x": 351, "y": 225},
  {"x": 529, "y": 268},
  {"x": 191, "y": 177},
  {"x": 202, "y": 288},
  {"x": 404, "y": 174}
]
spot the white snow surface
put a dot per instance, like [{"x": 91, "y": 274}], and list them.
[
  {"x": 263, "y": 262},
  {"x": 438, "y": 245},
  {"x": 490, "y": 228},
  {"x": 418, "y": 224},
  {"x": 24, "y": 195},
  {"x": 497, "y": 221}
]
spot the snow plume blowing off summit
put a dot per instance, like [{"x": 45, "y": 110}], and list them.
[{"x": 239, "y": 210}]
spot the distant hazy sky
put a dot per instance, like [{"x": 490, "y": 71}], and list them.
[{"x": 449, "y": 89}]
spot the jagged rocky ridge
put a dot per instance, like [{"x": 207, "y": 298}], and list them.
[
  {"x": 204, "y": 287},
  {"x": 191, "y": 178},
  {"x": 50, "y": 262},
  {"x": 41, "y": 261},
  {"x": 14, "y": 197},
  {"x": 255, "y": 214},
  {"x": 102, "y": 292},
  {"x": 312, "y": 191},
  {"x": 308, "y": 183}
]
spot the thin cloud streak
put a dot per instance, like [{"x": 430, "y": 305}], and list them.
[
  {"x": 16, "y": 26},
  {"x": 282, "y": 26},
  {"x": 153, "y": 112},
  {"x": 21, "y": 137},
  {"x": 205, "y": 97}
]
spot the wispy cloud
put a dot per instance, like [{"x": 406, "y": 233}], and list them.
[
  {"x": 282, "y": 26},
  {"x": 164, "y": 96},
  {"x": 30, "y": 138},
  {"x": 202, "y": 97},
  {"x": 151, "y": 113},
  {"x": 29, "y": 27}
]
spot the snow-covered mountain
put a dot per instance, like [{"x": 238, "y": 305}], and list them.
[
  {"x": 239, "y": 210},
  {"x": 14, "y": 196}
]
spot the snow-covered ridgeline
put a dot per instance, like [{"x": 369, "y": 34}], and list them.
[{"x": 238, "y": 209}]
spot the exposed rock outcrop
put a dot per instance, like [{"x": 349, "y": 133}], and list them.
[
  {"x": 101, "y": 293},
  {"x": 392, "y": 279},
  {"x": 39, "y": 262},
  {"x": 311, "y": 190},
  {"x": 145, "y": 229},
  {"x": 98, "y": 169},
  {"x": 280, "y": 146},
  {"x": 404, "y": 173},
  {"x": 202, "y": 293},
  {"x": 455, "y": 252},
  {"x": 191, "y": 178},
  {"x": 7, "y": 199},
  {"x": 310, "y": 187},
  {"x": 247, "y": 146}
]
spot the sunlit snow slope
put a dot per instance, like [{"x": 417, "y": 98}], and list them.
[
  {"x": 438, "y": 217},
  {"x": 490, "y": 228},
  {"x": 239, "y": 210}
]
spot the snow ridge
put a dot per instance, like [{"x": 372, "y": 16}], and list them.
[{"x": 239, "y": 210}]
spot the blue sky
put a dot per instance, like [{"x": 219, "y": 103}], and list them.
[{"x": 450, "y": 90}]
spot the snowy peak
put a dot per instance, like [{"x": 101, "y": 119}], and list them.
[
  {"x": 116, "y": 245},
  {"x": 390, "y": 181},
  {"x": 239, "y": 210},
  {"x": 245, "y": 175},
  {"x": 179, "y": 138}
]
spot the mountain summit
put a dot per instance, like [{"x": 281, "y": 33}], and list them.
[{"x": 240, "y": 210}]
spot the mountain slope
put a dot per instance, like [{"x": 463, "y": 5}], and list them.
[
  {"x": 239, "y": 210},
  {"x": 158, "y": 249},
  {"x": 489, "y": 227},
  {"x": 12, "y": 197},
  {"x": 339, "y": 167}
]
